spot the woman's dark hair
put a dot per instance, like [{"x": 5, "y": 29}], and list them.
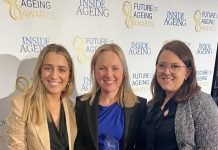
[{"x": 189, "y": 87}]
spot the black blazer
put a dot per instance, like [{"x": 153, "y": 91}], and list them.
[{"x": 87, "y": 116}]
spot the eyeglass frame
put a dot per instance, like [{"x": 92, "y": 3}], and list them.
[{"x": 170, "y": 66}]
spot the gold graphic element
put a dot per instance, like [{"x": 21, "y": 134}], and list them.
[
  {"x": 79, "y": 45},
  {"x": 197, "y": 19},
  {"x": 15, "y": 11},
  {"x": 22, "y": 84},
  {"x": 127, "y": 10}
]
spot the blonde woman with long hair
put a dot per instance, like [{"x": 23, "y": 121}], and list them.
[
  {"x": 109, "y": 116},
  {"x": 43, "y": 117}
]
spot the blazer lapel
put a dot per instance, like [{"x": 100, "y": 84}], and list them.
[
  {"x": 66, "y": 111},
  {"x": 92, "y": 116},
  {"x": 70, "y": 122},
  {"x": 43, "y": 134},
  {"x": 128, "y": 123}
]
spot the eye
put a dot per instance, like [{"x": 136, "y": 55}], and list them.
[
  {"x": 115, "y": 68},
  {"x": 175, "y": 66},
  {"x": 47, "y": 68},
  {"x": 101, "y": 68},
  {"x": 161, "y": 65},
  {"x": 62, "y": 70}
]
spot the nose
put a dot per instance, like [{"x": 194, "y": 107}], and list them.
[
  {"x": 54, "y": 74},
  {"x": 167, "y": 70},
  {"x": 109, "y": 72}
]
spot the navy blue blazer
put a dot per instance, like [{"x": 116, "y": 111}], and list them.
[{"x": 87, "y": 116}]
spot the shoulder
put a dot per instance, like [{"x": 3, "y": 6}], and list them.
[
  {"x": 80, "y": 103},
  {"x": 17, "y": 104},
  {"x": 79, "y": 99},
  {"x": 141, "y": 105},
  {"x": 202, "y": 101},
  {"x": 201, "y": 98},
  {"x": 142, "y": 101}
]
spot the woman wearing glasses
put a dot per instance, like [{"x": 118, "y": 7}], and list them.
[{"x": 180, "y": 115}]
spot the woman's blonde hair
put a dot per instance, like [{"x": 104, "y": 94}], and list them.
[
  {"x": 126, "y": 96},
  {"x": 35, "y": 105}
]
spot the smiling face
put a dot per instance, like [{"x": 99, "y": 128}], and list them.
[
  {"x": 171, "y": 82},
  {"x": 55, "y": 73},
  {"x": 109, "y": 72}
]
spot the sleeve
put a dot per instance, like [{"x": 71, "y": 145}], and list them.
[
  {"x": 206, "y": 124},
  {"x": 16, "y": 128}
]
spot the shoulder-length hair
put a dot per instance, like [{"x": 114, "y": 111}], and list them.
[
  {"x": 127, "y": 98},
  {"x": 35, "y": 105},
  {"x": 190, "y": 86}
]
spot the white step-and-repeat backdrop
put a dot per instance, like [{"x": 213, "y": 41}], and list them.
[{"x": 140, "y": 27}]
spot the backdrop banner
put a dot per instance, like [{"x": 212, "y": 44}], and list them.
[{"x": 140, "y": 27}]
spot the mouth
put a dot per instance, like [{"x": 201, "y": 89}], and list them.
[
  {"x": 167, "y": 79},
  {"x": 53, "y": 83},
  {"x": 109, "y": 81}
]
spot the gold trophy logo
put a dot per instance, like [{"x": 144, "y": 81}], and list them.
[
  {"x": 22, "y": 84},
  {"x": 15, "y": 11},
  {"x": 79, "y": 46},
  {"x": 197, "y": 19},
  {"x": 127, "y": 10}
]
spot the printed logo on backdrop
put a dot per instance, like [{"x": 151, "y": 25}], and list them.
[
  {"x": 93, "y": 8},
  {"x": 138, "y": 13},
  {"x": 175, "y": 18},
  {"x": 22, "y": 84},
  {"x": 139, "y": 49},
  {"x": 204, "y": 49},
  {"x": 86, "y": 46},
  {"x": 30, "y": 9},
  {"x": 86, "y": 84},
  {"x": 202, "y": 77},
  {"x": 2, "y": 123},
  {"x": 140, "y": 81},
  {"x": 33, "y": 44},
  {"x": 205, "y": 20}
]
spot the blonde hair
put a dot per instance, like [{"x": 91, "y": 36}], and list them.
[
  {"x": 35, "y": 105},
  {"x": 127, "y": 98}
]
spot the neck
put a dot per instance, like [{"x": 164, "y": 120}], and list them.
[
  {"x": 166, "y": 99},
  {"x": 53, "y": 101},
  {"x": 169, "y": 95},
  {"x": 106, "y": 99}
]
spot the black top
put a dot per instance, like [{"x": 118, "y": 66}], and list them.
[
  {"x": 59, "y": 139},
  {"x": 158, "y": 128}
]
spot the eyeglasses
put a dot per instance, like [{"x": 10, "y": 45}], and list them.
[{"x": 174, "y": 68}]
